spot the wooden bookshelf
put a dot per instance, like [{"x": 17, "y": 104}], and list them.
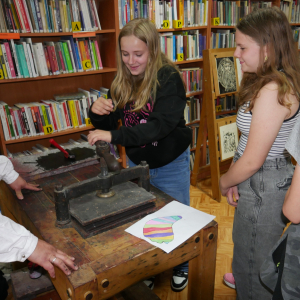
[{"x": 26, "y": 90}]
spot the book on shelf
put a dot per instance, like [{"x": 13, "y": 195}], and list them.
[
  {"x": 230, "y": 12},
  {"x": 24, "y": 59},
  {"x": 191, "y": 12},
  {"x": 65, "y": 111},
  {"x": 192, "y": 78},
  {"x": 188, "y": 44},
  {"x": 223, "y": 38},
  {"x": 37, "y": 16},
  {"x": 193, "y": 109}
]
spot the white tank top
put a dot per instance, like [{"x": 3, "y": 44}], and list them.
[{"x": 243, "y": 122}]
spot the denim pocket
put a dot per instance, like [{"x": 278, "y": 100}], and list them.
[{"x": 249, "y": 202}]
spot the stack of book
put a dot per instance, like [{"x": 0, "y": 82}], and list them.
[
  {"x": 189, "y": 44},
  {"x": 190, "y": 12},
  {"x": 48, "y": 15},
  {"x": 192, "y": 78},
  {"x": 230, "y": 12},
  {"x": 47, "y": 116},
  {"x": 24, "y": 59}
]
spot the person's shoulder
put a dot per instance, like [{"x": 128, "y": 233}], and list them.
[
  {"x": 269, "y": 90},
  {"x": 166, "y": 72}
]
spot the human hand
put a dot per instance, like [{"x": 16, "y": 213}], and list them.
[
  {"x": 99, "y": 135},
  {"x": 102, "y": 106},
  {"x": 20, "y": 183},
  {"x": 231, "y": 195},
  {"x": 48, "y": 256}
]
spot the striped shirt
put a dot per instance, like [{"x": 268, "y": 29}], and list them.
[{"x": 243, "y": 122}]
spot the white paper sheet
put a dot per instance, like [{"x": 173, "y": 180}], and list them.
[{"x": 176, "y": 222}]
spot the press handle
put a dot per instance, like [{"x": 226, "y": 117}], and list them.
[{"x": 66, "y": 154}]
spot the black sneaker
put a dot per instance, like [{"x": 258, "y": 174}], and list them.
[
  {"x": 179, "y": 280},
  {"x": 150, "y": 282}
]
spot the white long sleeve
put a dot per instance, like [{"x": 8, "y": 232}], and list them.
[
  {"x": 7, "y": 172},
  {"x": 16, "y": 242}
]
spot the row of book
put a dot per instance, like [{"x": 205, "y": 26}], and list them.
[
  {"x": 192, "y": 78},
  {"x": 230, "y": 12},
  {"x": 24, "y": 59},
  {"x": 190, "y": 12},
  {"x": 193, "y": 109},
  {"x": 185, "y": 45},
  {"x": 48, "y": 15},
  {"x": 226, "y": 103},
  {"x": 39, "y": 149},
  {"x": 291, "y": 10},
  {"x": 47, "y": 116},
  {"x": 223, "y": 38}
]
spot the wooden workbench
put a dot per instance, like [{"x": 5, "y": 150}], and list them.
[{"x": 114, "y": 260}]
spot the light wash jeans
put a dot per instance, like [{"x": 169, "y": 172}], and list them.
[
  {"x": 174, "y": 180},
  {"x": 258, "y": 224}
]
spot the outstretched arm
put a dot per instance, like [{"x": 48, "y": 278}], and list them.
[{"x": 18, "y": 244}]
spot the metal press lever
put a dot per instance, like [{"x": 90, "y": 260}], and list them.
[{"x": 103, "y": 150}]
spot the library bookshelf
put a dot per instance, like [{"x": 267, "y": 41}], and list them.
[{"x": 35, "y": 89}]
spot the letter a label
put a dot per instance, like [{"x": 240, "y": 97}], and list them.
[{"x": 76, "y": 26}]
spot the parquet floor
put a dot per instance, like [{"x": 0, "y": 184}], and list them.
[{"x": 224, "y": 216}]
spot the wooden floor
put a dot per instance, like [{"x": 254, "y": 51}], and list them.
[{"x": 201, "y": 200}]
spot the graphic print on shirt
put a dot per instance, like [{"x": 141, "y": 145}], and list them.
[
  {"x": 160, "y": 230},
  {"x": 132, "y": 118}
]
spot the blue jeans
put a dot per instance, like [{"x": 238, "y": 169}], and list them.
[
  {"x": 174, "y": 180},
  {"x": 258, "y": 224}
]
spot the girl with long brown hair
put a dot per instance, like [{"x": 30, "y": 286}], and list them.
[{"x": 260, "y": 174}]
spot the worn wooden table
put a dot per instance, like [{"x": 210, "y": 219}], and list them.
[{"x": 114, "y": 260}]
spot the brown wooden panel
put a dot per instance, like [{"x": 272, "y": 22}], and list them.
[{"x": 139, "y": 262}]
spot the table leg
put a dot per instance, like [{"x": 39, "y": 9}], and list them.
[{"x": 202, "y": 267}]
